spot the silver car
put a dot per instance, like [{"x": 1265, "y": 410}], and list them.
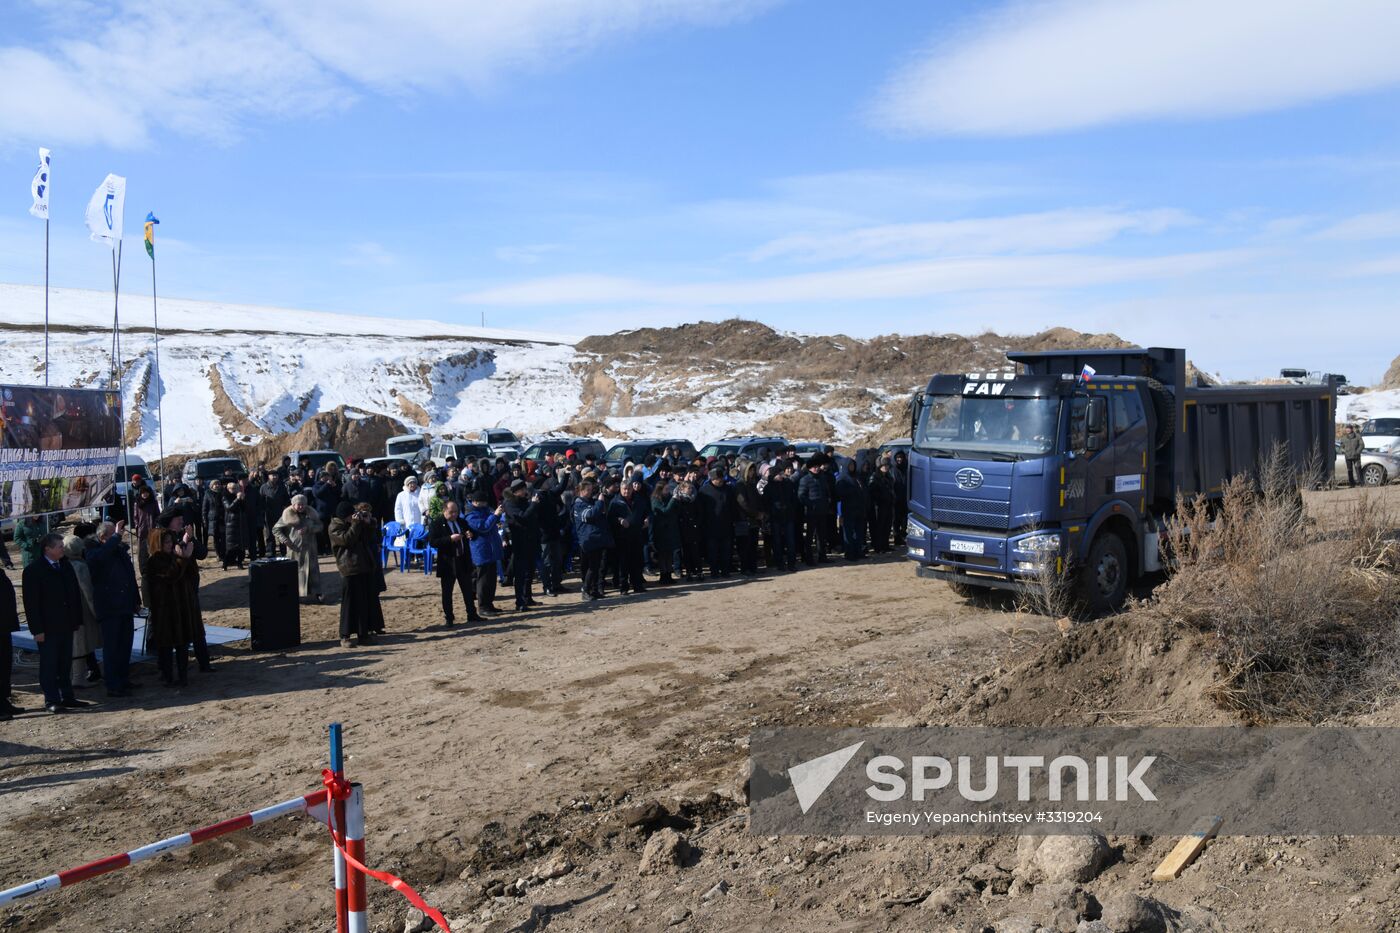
[{"x": 1377, "y": 467}]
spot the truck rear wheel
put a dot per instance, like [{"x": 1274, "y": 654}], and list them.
[{"x": 1103, "y": 577}]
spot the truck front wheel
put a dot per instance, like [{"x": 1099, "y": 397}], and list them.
[{"x": 1103, "y": 577}]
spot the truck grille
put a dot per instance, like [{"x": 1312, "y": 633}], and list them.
[{"x": 971, "y": 513}]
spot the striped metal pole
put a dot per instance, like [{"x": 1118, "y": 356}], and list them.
[
  {"x": 355, "y": 845},
  {"x": 337, "y": 809},
  {"x": 310, "y": 804}
]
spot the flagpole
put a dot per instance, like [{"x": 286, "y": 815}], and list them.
[
  {"x": 155, "y": 320},
  {"x": 46, "y": 301},
  {"x": 116, "y": 321}
]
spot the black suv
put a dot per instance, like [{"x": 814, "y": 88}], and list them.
[{"x": 638, "y": 450}]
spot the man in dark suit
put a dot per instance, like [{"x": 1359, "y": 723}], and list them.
[
  {"x": 9, "y": 622},
  {"x": 53, "y": 608},
  {"x": 450, "y": 536}
]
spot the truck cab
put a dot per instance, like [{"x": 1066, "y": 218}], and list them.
[{"x": 1072, "y": 464}]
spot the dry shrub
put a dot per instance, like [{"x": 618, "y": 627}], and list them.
[
  {"x": 1050, "y": 594},
  {"x": 1304, "y": 615}
]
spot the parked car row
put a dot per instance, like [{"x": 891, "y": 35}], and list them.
[{"x": 416, "y": 449}]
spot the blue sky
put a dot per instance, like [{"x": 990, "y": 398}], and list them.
[{"x": 1221, "y": 177}]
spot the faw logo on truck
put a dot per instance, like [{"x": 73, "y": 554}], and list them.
[
  {"x": 986, "y": 383},
  {"x": 968, "y": 478}
]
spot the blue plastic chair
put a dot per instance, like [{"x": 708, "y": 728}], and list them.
[
  {"x": 417, "y": 546},
  {"x": 386, "y": 547}
]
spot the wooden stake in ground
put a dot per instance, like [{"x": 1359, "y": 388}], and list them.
[{"x": 1186, "y": 850}]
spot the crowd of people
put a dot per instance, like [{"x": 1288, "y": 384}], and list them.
[{"x": 479, "y": 524}]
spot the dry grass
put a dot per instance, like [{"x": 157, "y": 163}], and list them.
[{"x": 1304, "y": 615}]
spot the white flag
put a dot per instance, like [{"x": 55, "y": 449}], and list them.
[
  {"x": 40, "y": 187},
  {"x": 104, "y": 211}
]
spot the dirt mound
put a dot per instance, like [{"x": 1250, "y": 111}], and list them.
[
  {"x": 352, "y": 433},
  {"x": 1391, "y": 379},
  {"x": 743, "y": 366},
  {"x": 1125, "y": 670},
  {"x": 589, "y": 427},
  {"x": 733, "y": 340},
  {"x": 796, "y": 426}
]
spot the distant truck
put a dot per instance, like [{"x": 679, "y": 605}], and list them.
[{"x": 1076, "y": 462}]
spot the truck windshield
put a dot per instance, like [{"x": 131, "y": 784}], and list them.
[{"x": 958, "y": 425}]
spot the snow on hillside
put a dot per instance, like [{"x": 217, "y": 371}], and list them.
[
  {"x": 72, "y": 307},
  {"x": 1385, "y": 402},
  {"x": 238, "y": 374}
]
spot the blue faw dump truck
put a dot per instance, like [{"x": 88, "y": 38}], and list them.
[{"x": 1075, "y": 459}]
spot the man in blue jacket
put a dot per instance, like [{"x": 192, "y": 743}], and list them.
[
  {"x": 115, "y": 598},
  {"x": 487, "y": 552},
  {"x": 590, "y": 519}
]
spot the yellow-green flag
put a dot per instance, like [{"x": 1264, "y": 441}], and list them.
[{"x": 151, "y": 234}]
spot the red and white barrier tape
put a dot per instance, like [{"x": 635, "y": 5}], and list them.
[
  {"x": 313, "y": 804},
  {"x": 350, "y": 845}
]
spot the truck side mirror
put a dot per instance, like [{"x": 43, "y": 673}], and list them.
[
  {"x": 1096, "y": 417},
  {"x": 1093, "y": 443}
]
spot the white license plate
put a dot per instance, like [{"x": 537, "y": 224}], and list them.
[{"x": 965, "y": 547}]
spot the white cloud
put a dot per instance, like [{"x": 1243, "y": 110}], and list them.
[
  {"x": 1384, "y": 266},
  {"x": 205, "y": 68},
  {"x": 1379, "y": 225},
  {"x": 527, "y": 254},
  {"x": 1019, "y": 233},
  {"x": 368, "y": 255},
  {"x": 1068, "y": 64},
  {"x": 886, "y": 281}
]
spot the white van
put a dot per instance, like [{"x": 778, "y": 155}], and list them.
[{"x": 411, "y": 447}]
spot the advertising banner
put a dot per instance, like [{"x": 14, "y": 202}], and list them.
[{"x": 58, "y": 448}]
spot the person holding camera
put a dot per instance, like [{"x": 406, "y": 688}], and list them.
[{"x": 354, "y": 536}]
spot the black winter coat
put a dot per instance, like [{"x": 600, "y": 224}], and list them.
[
  {"x": 716, "y": 509},
  {"x": 237, "y": 533},
  {"x": 275, "y": 500},
  {"x": 812, "y": 494},
  {"x": 523, "y": 523},
  {"x": 114, "y": 590},
  {"x": 52, "y": 600},
  {"x": 9, "y": 612},
  {"x": 780, "y": 500},
  {"x": 850, "y": 492}
]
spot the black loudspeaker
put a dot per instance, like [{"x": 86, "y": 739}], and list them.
[{"x": 274, "y": 606}]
